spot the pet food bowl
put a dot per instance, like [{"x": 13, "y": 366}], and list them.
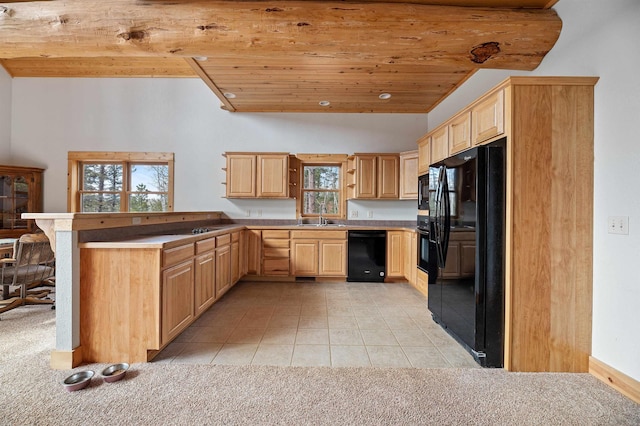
[
  {"x": 115, "y": 372},
  {"x": 78, "y": 381}
]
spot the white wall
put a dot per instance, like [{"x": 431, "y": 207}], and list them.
[
  {"x": 600, "y": 39},
  {"x": 53, "y": 116},
  {"x": 5, "y": 117}
]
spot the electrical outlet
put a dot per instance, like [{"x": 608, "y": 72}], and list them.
[
  {"x": 247, "y": 213},
  {"x": 370, "y": 214},
  {"x": 353, "y": 213},
  {"x": 259, "y": 213},
  {"x": 618, "y": 225}
]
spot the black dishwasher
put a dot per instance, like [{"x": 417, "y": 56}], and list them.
[{"x": 367, "y": 256}]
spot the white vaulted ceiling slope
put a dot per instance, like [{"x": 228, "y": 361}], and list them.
[{"x": 286, "y": 55}]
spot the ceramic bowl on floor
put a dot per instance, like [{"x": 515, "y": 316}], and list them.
[
  {"x": 115, "y": 372},
  {"x": 78, "y": 381}
]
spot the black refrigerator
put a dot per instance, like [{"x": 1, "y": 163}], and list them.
[{"x": 467, "y": 196}]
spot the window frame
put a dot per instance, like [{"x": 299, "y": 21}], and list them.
[
  {"x": 331, "y": 160},
  {"x": 77, "y": 159}
]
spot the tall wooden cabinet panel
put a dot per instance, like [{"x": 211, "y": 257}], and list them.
[
  {"x": 409, "y": 175},
  {"x": 235, "y": 257},
  {"x": 20, "y": 192},
  {"x": 177, "y": 299},
  {"x": 550, "y": 294}
]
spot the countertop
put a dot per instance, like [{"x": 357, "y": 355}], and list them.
[{"x": 178, "y": 238}]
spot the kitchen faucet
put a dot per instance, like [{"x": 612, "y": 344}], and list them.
[{"x": 320, "y": 219}]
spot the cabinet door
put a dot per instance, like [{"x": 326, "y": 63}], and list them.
[
  {"x": 424, "y": 155},
  {"x": 422, "y": 282},
  {"x": 409, "y": 175},
  {"x": 177, "y": 299},
  {"x": 395, "y": 261},
  {"x": 273, "y": 175},
  {"x": 223, "y": 270},
  {"x": 440, "y": 144},
  {"x": 452, "y": 268},
  {"x": 487, "y": 118},
  {"x": 460, "y": 133},
  {"x": 205, "y": 281},
  {"x": 241, "y": 175},
  {"x": 366, "y": 176},
  {"x": 333, "y": 258},
  {"x": 254, "y": 251},
  {"x": 304, "y": 259},
  {"x": 235, "y": 261},
  {"x": 410, "y": 256},
  {"x": 388, "y": 176}
]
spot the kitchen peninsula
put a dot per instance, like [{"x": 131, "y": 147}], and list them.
[{"x": 129, "y": 283}]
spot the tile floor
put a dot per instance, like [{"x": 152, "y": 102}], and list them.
[{"x": 335, "y": 324}]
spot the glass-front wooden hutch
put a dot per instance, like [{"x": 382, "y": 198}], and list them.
[{"x": 20, "y": 192}]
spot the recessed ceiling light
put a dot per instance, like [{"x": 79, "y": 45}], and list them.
[
  {"x": 384, "y": 96},
  {"x": 229, "y": 95},
  {"x": 324, "y": 103},
  {"x": 200, "y": 58}
]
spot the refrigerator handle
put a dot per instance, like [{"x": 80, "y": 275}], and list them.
[{"x": 446, "y": 226}]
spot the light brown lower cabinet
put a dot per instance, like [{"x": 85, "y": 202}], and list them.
[
  {"x": 177, "y": 300},
  {"x": 205, "y": 281},
  {"x": 319, "y": 253},
  {"x": 422, "y": 282},
  {"x": 223, "y": 269},
  {"x": 395, "y": 252},
  {"x": 254, "y": 251},
  {"x": 275, "y": 252}
]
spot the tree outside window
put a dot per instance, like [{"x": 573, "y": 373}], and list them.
[
  {"x": 321, "y": 190},
  {"x": 104, "y": 185}
]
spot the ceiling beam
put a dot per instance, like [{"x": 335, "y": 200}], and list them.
[{"x": 400, "y": 33}]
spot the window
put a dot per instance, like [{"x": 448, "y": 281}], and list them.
[
  {"x": 321, "y": 186},
  {"x": 109, "y": 182}
]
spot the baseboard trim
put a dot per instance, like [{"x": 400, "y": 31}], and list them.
[
  {"x": 66, "y": 360},
  {"x": 624, "y": 384}
]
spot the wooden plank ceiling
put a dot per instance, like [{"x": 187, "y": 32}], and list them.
[{"x": 287, "y": 55}]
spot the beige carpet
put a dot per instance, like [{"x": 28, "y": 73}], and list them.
[{"x": 31, "y": 393}]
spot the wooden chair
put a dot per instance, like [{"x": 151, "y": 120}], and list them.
[{"x": 31, "y": 267}]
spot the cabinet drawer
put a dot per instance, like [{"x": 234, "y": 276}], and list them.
[
  {"x": 205, "y": 245},
  {"x": 276, "y": 266},
  {"x": 275, "y": 252},
  {"x": 223, "y": 240},
  {"x": 235, "y": 237},
  {"x": 177, "y": 254},
  {"x": 319, "y": 235},
  {"x": 275, "y": 233},
  {"x": 275, "y": 243}
]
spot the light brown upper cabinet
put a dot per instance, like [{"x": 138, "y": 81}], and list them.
[
  {"x": 409, "y": 175},
  {"x": 440, "y": 144},
  {"x": 376, "y": 176},
  {"x": 487, "y": 118},
  {"x": 264, "y": 175},
  {"x": 460, "y": 133},
  {"x": 424, "y": 155}
]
